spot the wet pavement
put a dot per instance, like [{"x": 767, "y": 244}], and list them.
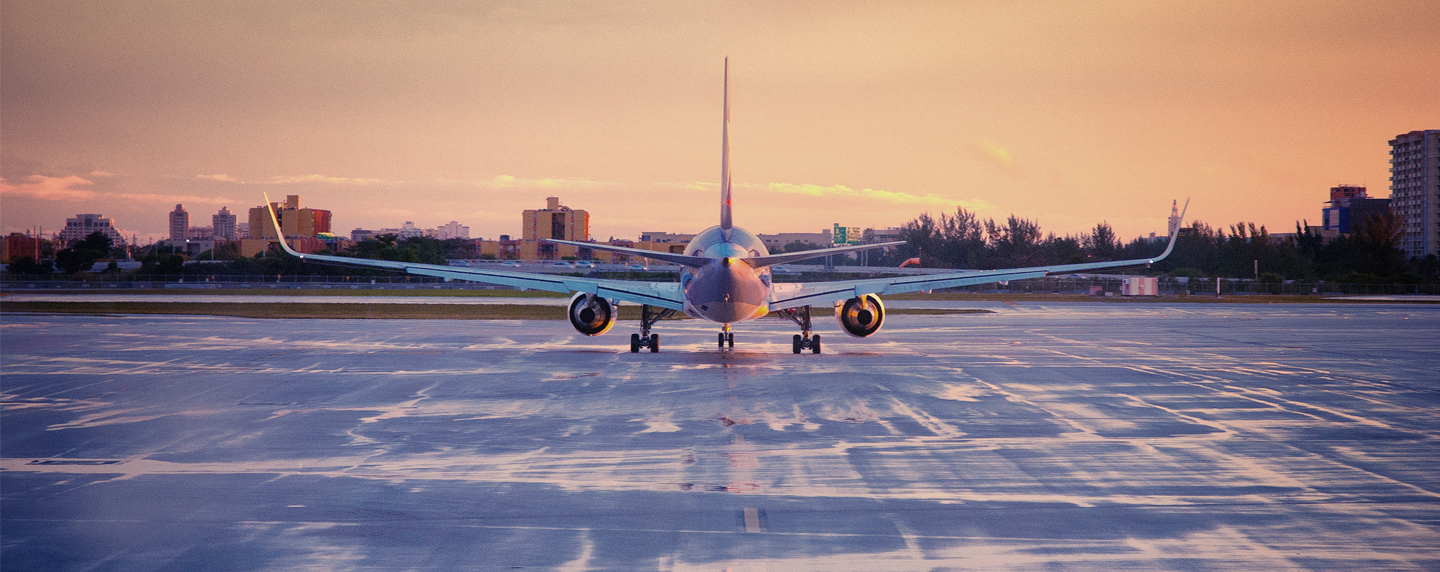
[{"x": 1041, "y": 436}]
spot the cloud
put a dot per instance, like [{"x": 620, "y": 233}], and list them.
[
  {"x": 48, "y": 188},
  {"x": 508, "y": 182},
  {"x": 292, "y": 179},
  {"x": 295, "y": 179},
  {"x": 872, "y": 194},
  {"x": 696, "y": 186},
  {"x": 991, "y": 152},
  {"x": 182, "y": 199}
]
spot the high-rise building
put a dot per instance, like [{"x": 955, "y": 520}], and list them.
[
  {"x": 179, "y": 224},
  {"x": 224, "y": 225},
  {"x": 1349, "y": 207},
  {"x": 84, "y": 224},
  {"x": 301, "y": 227},
  {"x": 1415, "y": 189}
]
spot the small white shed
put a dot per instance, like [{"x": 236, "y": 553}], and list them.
[{"x": 1140, "y": 286}]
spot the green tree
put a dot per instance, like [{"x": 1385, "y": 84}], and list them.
[
  {"x": 26, "y": 265},
  {"x": 81, "y": 256}
]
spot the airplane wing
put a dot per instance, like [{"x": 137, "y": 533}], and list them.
[
  {"x": 797, "y": 295},
  {"x": 661, "y": 294}
]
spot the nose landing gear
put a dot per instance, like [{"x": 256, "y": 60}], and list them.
[
  {"x": 803, "y": 340},
  {"x": 726, "y": 338}
]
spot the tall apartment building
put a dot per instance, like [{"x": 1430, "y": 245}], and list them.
[
  {"x": 224, "y": 225},
  {"x": 84, "y": 224},
  {"x": 179, "y": 224},
  {"x": 1415, "y": 189}
]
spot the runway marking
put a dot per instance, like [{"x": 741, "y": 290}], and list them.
[{"x": 752, "y": 520}]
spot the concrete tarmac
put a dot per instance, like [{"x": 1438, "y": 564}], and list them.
[{"x": 1042, "y": 436}]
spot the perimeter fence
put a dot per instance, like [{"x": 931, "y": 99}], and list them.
[{"x": 1100, "y": 286}]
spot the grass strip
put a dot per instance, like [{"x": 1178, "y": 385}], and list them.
[{"x": 353, "y": 311}]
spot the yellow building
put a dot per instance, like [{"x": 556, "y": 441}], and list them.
[
  {"x": 297, "y": 223},
  {"x": 555, "y": 221}
]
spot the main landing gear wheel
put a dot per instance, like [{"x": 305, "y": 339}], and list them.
[
  {"x": 652, "y": 341},
  {"x": 724, "y": 339},
  {"x": 803, "y": 340},
  {"x": 645, "y": 339},
  {"x": 800, "y": 343}
]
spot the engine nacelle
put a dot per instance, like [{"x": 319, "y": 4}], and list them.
[
  {"x": 861, "y": 316},
  {"x": 591, "y": 315}
]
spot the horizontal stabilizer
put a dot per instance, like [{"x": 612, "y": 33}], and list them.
[
  {"x": 787, "y": 258},
  {"x": 681, "y": 259}
]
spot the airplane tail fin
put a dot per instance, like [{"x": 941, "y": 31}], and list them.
[{"x": 725, "y": 222}]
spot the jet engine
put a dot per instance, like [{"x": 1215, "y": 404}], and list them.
[
  {"x": 591, "y": 315},
  {"x": 861, "y": 316}
]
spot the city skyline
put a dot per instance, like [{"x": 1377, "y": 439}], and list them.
[{"x": 1068, "y": 114}]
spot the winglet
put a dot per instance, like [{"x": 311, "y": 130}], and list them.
[
  {"x": 279, "y": 234},
  {"x": 725, "y": 223},
  {"x": 1173, "y": 235}
]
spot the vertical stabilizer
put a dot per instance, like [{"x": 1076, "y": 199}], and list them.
[{"x": 725, "y": 157}]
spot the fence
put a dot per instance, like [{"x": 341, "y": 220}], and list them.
[{"x": 1097, "y": 286}]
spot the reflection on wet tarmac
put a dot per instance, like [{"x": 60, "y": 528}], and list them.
[{"x": 1039, "y": 436}]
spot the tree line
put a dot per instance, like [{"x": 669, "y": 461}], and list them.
[
  {"x": 1242, "y": 250},
  {"x": 958, "y": 241}
]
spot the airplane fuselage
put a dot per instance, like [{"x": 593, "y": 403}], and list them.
[{"x": 726, "y": 289}]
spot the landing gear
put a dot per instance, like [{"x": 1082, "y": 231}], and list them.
[
  {"x": 726, "y": 338},
  {"x": 803, "y": 340},
  {"x": 645, "y": 339}
]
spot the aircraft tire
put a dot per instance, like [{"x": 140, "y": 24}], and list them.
[
  {"x": 730, "y": 340},
  {"x": 815, "y": 344},
  {"x": 654, "y": 343},
  {"x": 721, "y": 337},
  {"x": 795, "y": 343},
  {"x": 634, "y": 343}
]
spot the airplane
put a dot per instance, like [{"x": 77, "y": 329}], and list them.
[{"x": 725, "y": 277}]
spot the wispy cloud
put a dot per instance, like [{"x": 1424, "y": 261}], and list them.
[
  {"x": 871, "y": 194},
  {"x": 990, "y": 152},
  {"x": 696, "y": 186},
  {"x": 501, "y": 181},
  {"x": 69, "y": 189},
  {"x": 49, "y": 188},
  {"x": 294, "y": 179},
  {"x": 508, "y": 181},
  {"x": 159, "y": 198}
]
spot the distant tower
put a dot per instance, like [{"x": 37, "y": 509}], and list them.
[
  {"x": 224, "y": 224},
  {"x": 1174, "y": 217},
  {"x": 179, "y": 224},
  {"x": 1415, "y": 189}
]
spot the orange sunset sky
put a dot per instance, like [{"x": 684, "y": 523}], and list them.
[{"x": 858, "y": 113}]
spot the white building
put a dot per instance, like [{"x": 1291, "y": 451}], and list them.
[
  {"x": 223, "y": 225},
  {"x": 407, "y": 230},
  {"x": 179, "y": 223},
  {"x": 84, "y": 224},
  {"x": 452, "y": 229},
  {"x": 1415, "y": 189}
]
